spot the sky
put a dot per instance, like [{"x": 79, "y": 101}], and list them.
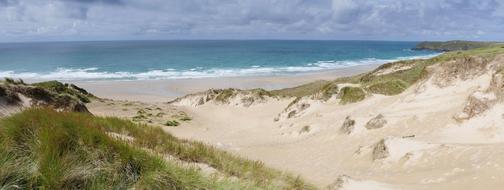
[{"x": 402, "y": 20}]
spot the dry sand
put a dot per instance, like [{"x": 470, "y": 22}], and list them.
[{"x": 421, "y": 145}]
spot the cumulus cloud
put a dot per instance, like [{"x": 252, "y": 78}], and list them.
[{"x": 27, "y": 20}]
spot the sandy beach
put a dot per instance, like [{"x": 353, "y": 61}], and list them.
[{"x": 166, "y": 90}]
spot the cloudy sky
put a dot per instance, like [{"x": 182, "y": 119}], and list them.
[{"x": 50, "y": 20}]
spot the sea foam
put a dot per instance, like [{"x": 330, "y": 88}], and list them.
[{"x": 92, "y": 74}]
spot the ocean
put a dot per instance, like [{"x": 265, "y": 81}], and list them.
[{"x": 153, "y": 60}]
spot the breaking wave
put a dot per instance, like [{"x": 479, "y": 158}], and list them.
[{"x": 89, "y": 74}]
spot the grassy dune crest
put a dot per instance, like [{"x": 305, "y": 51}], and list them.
[{"x": 388, "y": 79}]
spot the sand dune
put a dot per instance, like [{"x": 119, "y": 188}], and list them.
[
  {"x": 421, "y": 145},
  {"x": 442, "y": 132}
]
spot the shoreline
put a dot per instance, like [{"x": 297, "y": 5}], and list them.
[{"x": 169, "y": 89}]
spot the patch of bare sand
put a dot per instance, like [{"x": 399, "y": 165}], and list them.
[{"x": 141, "y": 112}]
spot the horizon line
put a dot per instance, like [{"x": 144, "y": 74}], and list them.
[{"x": 227, "y": 39}]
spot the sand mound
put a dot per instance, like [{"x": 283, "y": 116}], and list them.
[
  {"x": 235, "y": 97},
  {"x": 15, "y": 96},
  {"x": 393, "y": 68}
]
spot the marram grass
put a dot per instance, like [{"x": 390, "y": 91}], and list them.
[{"x": 45, "y": 149}]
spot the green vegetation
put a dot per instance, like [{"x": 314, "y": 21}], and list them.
[
  {"x": 391, "y": 87},
  {"x": 172, "y": 123},
  {"x": 488, "y": 52},
  {"x": 160, "y": 114},
  {"x": 14, "y": 82},
  {"x": 70, "y": 89},
  {"x": 456, "y": 45},
  {"x": 224, "y": 95},
  {"x": 139, "y": 117},
  {"x": 182, "y": 116},
  {"x": 185, "y": 118},
  {"x": 45, "y": 149},
  {"x": 395, "y": 82},
  {"x": 44, "y": 96},
  {"x": 141, "y": 112},
  {"x": 305, "y": 129},
  {"x": 328, "y": 91},
  {"x": 10, "y": 97},
  {"x": 261, "y": 92},
  {"x": 303, "y": 90},
  {"x": 403, "y": 74},
  {"x": 352, "y": 94}
]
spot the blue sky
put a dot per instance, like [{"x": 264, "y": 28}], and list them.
[{"x": 56, "y": 20}]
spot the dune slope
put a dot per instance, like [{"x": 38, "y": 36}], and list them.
[{"x": 422, "y": 124}]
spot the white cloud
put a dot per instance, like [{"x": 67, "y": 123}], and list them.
[{"x": 325, "y": 19}]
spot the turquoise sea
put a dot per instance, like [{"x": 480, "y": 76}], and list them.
[{"x": 151, "y": 60}]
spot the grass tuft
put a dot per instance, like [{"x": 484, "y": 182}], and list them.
[
  {"x": 224, "y": 95},
  {"x": 172, "y": 123},
  {"x": 352, "y": 94},
  {"x": 391, "y": 87}
]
